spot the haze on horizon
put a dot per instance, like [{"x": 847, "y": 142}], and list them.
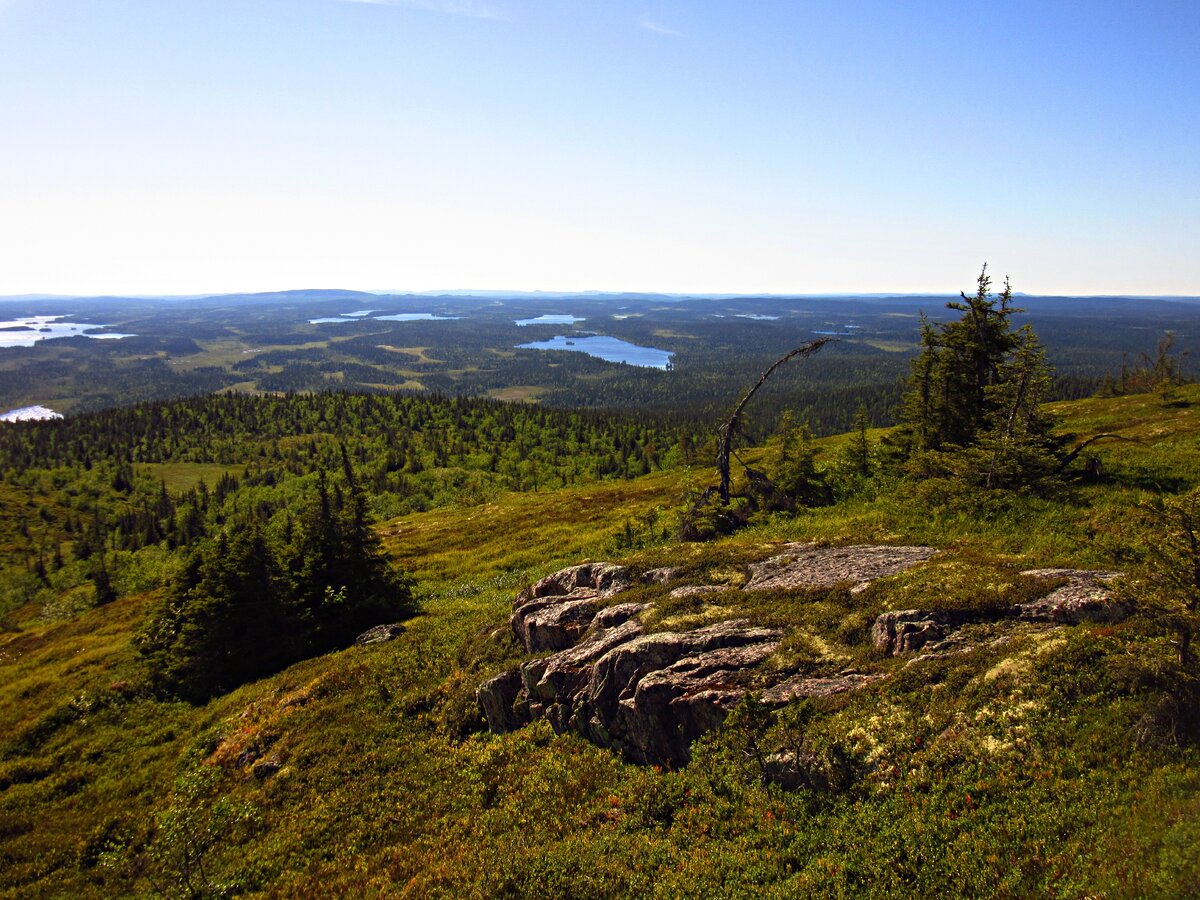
[{"x": 191, "y": 148}]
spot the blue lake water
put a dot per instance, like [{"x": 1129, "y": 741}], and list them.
[
  {"x": 416, "y": 317},
  {"x": 551, "y": 320},
  {"x": 609, "y": 349},
  {"x": 28, "y": 331},
  {"x": 359, "y": 315}
]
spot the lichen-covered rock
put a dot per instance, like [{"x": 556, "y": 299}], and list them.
[
  {"x": 807, "y": 565},
  {"x": 696, "y": 590},
  {"x": 800, "y": 687},
  {"x": 908, "y": 630},
  {"x": 554, "y": 623},
  {"x": 561, "y": 677},
  {"x": 648, "y": 696},
  {"x": 1086, "y": 597},
  {"x": 554, "y": 613},
  {"x": 661, "y": 575},
  {"x": 604, "y": 578},
  {"x": 673, "y": 706},
  {"x": 612, "y": 616},
  {"x": 619, "y": 671}
]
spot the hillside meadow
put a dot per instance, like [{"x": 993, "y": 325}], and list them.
[{"x": 1030, "y": 767}]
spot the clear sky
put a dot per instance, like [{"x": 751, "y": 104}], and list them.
[{"x": 188, "y": 146}]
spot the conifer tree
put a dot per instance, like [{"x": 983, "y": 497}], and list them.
[
  {"x": 223, "y": 621},
  {"x": 973, "y": 402}
]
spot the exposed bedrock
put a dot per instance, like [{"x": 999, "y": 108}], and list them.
[
  {"x": 807, "y": 565},
  {"x": 650, "y": 696},
  {"x": 1086, "y": 597},
  {"x": 647, "y": 695}
]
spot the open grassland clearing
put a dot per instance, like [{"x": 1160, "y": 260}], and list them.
[{"x": 180, "y": 477}]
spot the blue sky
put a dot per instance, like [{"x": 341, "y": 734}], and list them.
[{"x": 189, "y": 146}]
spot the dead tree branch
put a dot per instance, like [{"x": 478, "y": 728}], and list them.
[
  {"x": 729, "y": 429},
  {"x": 1074, "y": 454}
]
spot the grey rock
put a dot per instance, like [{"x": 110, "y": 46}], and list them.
[
  {"x": 647, "y": 696},
  {"x": 618, "y": 671},
  {"x": 612, "y": 616},
  {"x": 695, "y": 590},
  {"x": 555, "y": 623},
  {"x": 661, "y": 575},
  {"x": 564, "y": 675},
  {"x": 800, "y": 687},
  {"x": 1087, "y": 597},
  {"x": 908, "y": 630},
  {"x": 497, "y": 697},
  {"x": 379, "y": 634},
  {"x": 807, "y": 565},
  {"x": 672, "y": 707},
  {"x": 604, "y": 578}
]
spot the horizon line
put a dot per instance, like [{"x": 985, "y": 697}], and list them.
[{"x": 500, "y": 292}]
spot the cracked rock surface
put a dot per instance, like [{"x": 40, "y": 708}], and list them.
[
  {"x": 807, "y": 565},
  {"x": 1086, "y": 597},
  {"x": 649, "y": 696}
]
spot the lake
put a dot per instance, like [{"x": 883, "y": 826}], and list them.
[
  {"x": 551, "y": 320},
  {"x": 361, "y": 314},
  {"x": 416, "y": 317},
  {"x": 609, "y": 349},
  {"x": 29, "y": 414},
  {"x": 28, "y": 331}
]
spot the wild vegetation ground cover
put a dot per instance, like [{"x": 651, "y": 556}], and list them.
[{"x": 1038, "y": 766}]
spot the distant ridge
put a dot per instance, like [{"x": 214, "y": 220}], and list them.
[{"x": 302, "y": 294}]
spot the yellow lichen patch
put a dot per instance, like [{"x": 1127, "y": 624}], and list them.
[
  {"x": 708, "y": 614},
  {"x": 1014, "y": 667},
  {"x": 1048, "y": 643},
  {"x": 727, "y": 576},
  {"x": 994, "y": 746}
]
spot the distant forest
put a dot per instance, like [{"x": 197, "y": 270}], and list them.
[{"x": 266, "y": 344}]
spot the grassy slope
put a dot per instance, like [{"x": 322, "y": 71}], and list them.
[{"x": 1009, "y": 771}]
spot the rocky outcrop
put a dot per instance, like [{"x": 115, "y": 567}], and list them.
[
  {"x": 801, "y": 687},
  {"x": 647, "y": 695},
  {"x": 379, "y": 634},
  {"x": 807, "y": 565},
  {"x": 555, "y": 612},
  {"x": 1086, "y": 597},
  {"x": 908, "y": 630},
  {"x": 695, "y": 590},
  {"x": 650, "y": 696},
  {"x": 497, "y": 698}
]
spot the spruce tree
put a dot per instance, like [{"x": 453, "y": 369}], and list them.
[{"x": 972, "y": 407}]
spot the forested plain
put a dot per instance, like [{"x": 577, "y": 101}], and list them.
[
  {"x": 184, "y": 712},
  {"x": 265, "y": 343}
]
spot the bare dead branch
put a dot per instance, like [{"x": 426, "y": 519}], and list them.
[{"x": 729, "y": 429}]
